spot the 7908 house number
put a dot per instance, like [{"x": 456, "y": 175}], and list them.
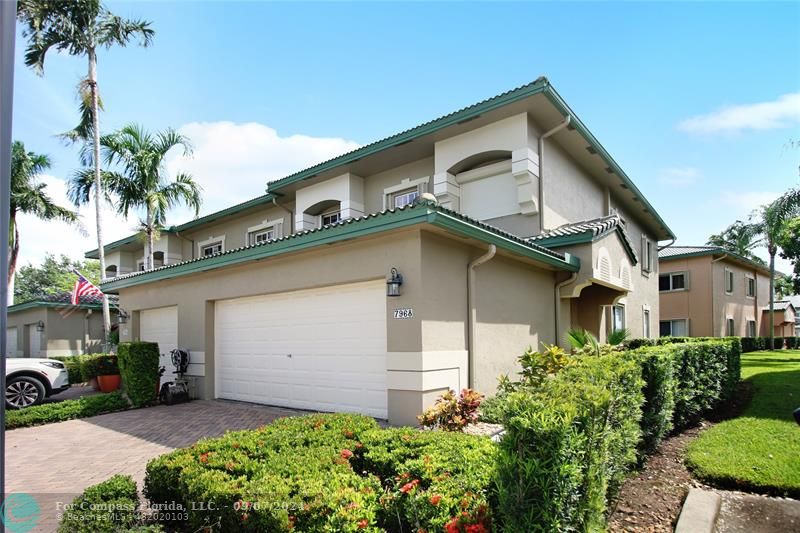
[{"x": 404, "y": 313}]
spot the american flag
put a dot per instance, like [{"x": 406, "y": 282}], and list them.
[{"x": 83, "y": 287}]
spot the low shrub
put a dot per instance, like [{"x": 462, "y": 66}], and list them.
[
  {"x": 98, "y": 364},
  {"x": 328, "y": 473},
  {"x": 792, "y": 343},
  {"x": 73, "y": 364},
  {"x": 493, "y": 409},
  {"x": 451, "y": 412},
  {"x": 111, "y": 506},
  {"x": 66, "y": 410},
  {"x": 138, "y": 364}
]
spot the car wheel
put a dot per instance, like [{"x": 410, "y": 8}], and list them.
[{"x": 24, "y": 391}]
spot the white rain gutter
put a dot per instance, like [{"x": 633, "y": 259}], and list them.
[
  {"x": 542, "y": 137},
  {"x": 471, "y": 311}
]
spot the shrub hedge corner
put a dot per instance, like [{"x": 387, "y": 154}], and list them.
[{"x": 138, "y": 364}]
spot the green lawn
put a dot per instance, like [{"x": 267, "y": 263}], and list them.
[{"x": 760, "y": 450}]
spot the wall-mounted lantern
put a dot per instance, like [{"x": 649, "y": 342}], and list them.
[
  {"x": 393, "y": 283},
  {"x": 40, "y": 326},
  {"x": 122, "y": 317}
]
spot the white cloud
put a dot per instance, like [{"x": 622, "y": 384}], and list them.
[
  {"x": 38, "y": 237},
  {"x": 233, "y": 162},
  {"x": 743, "y": 203},
  {"x": 681, "y": 177},
  {"x": 780, "y": 113}
]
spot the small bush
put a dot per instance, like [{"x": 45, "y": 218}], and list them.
[
  {"x": 493, "y": 409},
  {"x": 138, "y": 363},
  {"x": 658, "y": 373},
  {"x": 66, "y": 410},
  {"x": 451, "y": 413},
  {"x": 110, "y": 506},
  {"x": 73, "y": 364}
]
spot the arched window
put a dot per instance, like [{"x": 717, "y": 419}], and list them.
[
  {"x": 327, "y": 212},
  {"x": 111, "y": 271},
  {"x": 488, "y": 188}
]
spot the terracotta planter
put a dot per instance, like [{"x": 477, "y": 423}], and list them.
[
  {"x": 158, "y": 387},
  {"x": 93, "y": 384},
  {"x": 109, "y": 383}
]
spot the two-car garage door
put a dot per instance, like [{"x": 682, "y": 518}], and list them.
[{"x": 321, "y": 349}]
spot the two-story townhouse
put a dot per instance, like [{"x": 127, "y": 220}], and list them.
[
  {"x": 707, "y": 291},
  {"x": 428, "y": 260}
]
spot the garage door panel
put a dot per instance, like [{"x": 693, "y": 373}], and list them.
[
  {"x": 161, "y": 326},
  {"x": 336, "y": 337}
]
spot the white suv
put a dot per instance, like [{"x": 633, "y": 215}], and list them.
[{"x": 30, "y": 380}]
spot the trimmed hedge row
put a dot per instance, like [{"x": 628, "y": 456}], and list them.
[
  {"x": 329, "y": 473},
  {"x": 67, "y": 410},
  {"x": 138, "y": 365},
  {"x": 755, "y": 344}
]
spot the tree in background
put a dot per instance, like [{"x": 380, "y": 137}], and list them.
[
  {"x": 789, "y": 242},
  {"x": 28, "y": 195},
  {"x": 80, "y": 28},
  {"x": 770, "y": 222},
  {"x": 54, "y": 276},
  {"x": 740, "y": 238},
  {"x": 141, "y": 181}
]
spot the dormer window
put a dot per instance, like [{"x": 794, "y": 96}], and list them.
[
  {"x": 211, "y": 249},
  {"x": 404, "y": 197},
  {"x": 404, "y": 193},
  {"x": 330, "y": 217}
]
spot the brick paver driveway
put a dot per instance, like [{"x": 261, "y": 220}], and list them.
[{"x": 55, "y": 462}]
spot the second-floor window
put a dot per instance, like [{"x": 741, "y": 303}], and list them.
[
  {"x": 648, "y": 255},
  {"x": 729, "y": 281},
  {"x": 211, "y": 249},
  {"x": 331, "y": 217},
  {"x": 404, "y": 197},
  {"x": 750, "y": 287},
  {"x": 263, "y": 235},
  {"x": 672, "y": 281}
]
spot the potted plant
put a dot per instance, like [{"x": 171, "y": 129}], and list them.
[
  {"x": 108, "y": 377},
  {"x": 88, "y": 370}
]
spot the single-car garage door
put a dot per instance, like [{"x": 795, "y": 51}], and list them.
[
  {"x": 321, "y": 349},
  {"x": 11, "y": 342},
  {"x": 161, "y": 326}
]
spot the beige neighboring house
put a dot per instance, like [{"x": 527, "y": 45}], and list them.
[
  {"x": 707, "y": 291},
  {"x": 507, "y": 222},
  {"x": 785, "y": 319},
  {"x": 52, "y": 326}
]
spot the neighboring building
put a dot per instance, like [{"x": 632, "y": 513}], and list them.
[
  {"x": 785, "y": 319},
  {"x": 707, "y": 291},
  {"x": 795, "y": 301},
  {"x": 507, "y": 220},
  {"x": 52, "y": 326}
]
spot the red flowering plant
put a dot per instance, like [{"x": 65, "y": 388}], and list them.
[{"x": 451, "y": 412}]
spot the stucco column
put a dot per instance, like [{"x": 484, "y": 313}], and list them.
[
  {"x": 304, "y": 221},
  {"x": 447, "y": 190},
  {"x": 525, "y": 169}
]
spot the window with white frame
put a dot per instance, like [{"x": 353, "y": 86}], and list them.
[
  {"x": 672, "y": 281},
  {"x": 207, "y": 250},
  {"x": 404, "y": 193},
  {"x": 618, "y": 318},
  {"x": 750, "y": 287},
  {"x": 751, "y": 328},
  {"x": 648, "y": 255},
  {"x": 729, "y": 281},
  {"x": 674, "y": 328},
  {"x": 646, "y": 323},
  {"x": 269, "y": 230},
  {"x": 330, "y": 217},
  {"x": 404, "y": 197}
]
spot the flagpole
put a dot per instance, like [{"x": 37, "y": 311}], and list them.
[{"x": 8, "y": 19}]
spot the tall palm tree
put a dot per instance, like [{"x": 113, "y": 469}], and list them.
[
  {"x": 140, "y": 181},
  {"x": 28, "y": 196},
  {"x": 770, "y": 222},
  {"x": 740, "y": 238},
  {"x": 80, "y": 28}
]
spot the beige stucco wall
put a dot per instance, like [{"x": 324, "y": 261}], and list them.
[
  {"x": 695, "y": 303},
  {"x": 63, "y": 334},
  {"x": 376, "y": 184}
]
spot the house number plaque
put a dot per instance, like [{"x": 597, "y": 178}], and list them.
[{"x": 404, "y": 313}]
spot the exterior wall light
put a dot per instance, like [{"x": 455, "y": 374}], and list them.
[
  {"x": 122, "y": 317},
  {"x": 393, "y": 283},
  {"x": 40, "y": 326}
]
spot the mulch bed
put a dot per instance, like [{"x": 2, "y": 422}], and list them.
[{"x": 651, "y": 501}]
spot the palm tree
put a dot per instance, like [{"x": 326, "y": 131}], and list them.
[
  {"x": 28, "y": 196},
  {"x": 739, "y": 238},
  {"x": 770, "y": 222},
  {"x": 79, "y": 28},
  {"x": 141, "y": 182}
]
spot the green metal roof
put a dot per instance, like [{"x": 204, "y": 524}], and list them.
[
  {"x": 587, "y": 231},
  {"x": 682, "y": 252},
  {"x": 421, "y": 213},
  {"x": 54, "y": 305}
]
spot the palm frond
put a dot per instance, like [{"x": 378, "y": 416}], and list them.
[{"x": 618, "y": 336}]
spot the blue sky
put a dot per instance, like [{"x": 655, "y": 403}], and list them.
[{"x": 268, "y": 88}]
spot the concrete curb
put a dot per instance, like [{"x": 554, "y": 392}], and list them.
[{"x": 699, "y": 513}]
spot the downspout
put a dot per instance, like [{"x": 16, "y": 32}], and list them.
[
  {"x": 713, "y": 292},
  {"x": 557, "y": 304},
  {"x": 471, "y": 311},
  {"x": 178, "y": 233},
  {"x": 671, "y": 242},
  {"x": 291, "y": 213},
  {"x": 542, "y": 137}
]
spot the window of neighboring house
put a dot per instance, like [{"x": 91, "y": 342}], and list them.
[
  {"x": 618, "y": 317},
  {"x": 404, "y": 197},
  {"x": 728, "y": 281},
  {"x": 211, "y": 249},
  {"x": 730, "y": 327},
  {"x": 751, "y": 328},
  {"x": 672, "y": 281},
  {"x": 331, "y": 217},
  {"x": 750, "y": 287},
  {"x": 674, "y": 328},
  {"x": 646, "y": 324}
]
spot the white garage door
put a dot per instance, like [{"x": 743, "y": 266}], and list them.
[
  {"x": 161, "y": 326},
  {"x": 321, "y": 349},
  {"x": 35, "y": 341},
  {"x": 11, "y": 342}
]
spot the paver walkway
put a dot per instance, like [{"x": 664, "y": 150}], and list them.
[{"x": 56, "y": 462}]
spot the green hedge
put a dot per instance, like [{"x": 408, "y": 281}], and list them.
[
  {"x": 138, "y": 363},
  {"x": 568, "y": 445},
  {"x": 73, "y": 364},
  {"x": 68, "y": 409},
  {"x": 328, "y": 473},
  {"x": 98, "y": 364}
]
